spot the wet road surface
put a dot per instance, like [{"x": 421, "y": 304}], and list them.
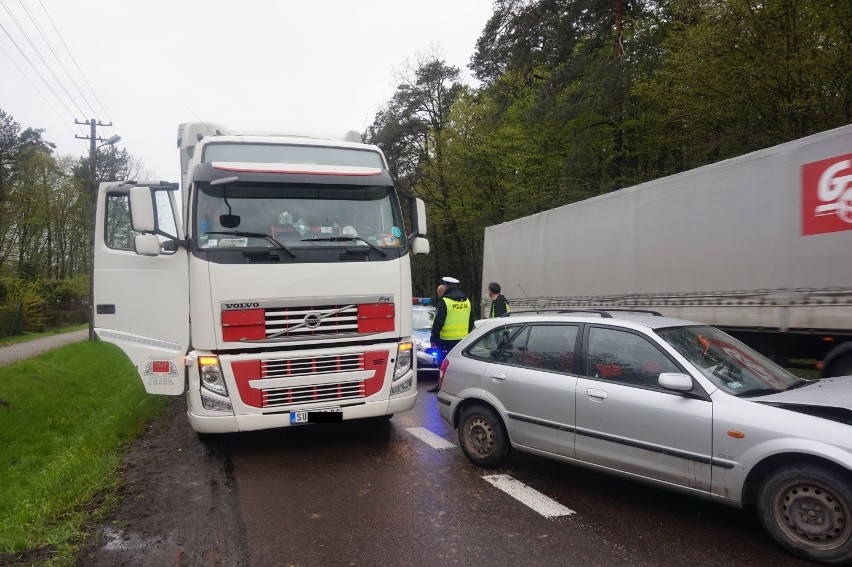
[{"x": 376, "y": 493}]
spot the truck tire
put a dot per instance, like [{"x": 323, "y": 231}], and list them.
[
  {"x": 808, "y": 510},
  {"x": 483, "y": 437}
]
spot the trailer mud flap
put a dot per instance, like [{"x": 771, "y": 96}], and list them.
[{"x": 160, "y": 364}]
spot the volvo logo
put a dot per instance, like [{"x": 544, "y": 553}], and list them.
[
  {"x": 241, "y": 305},
  {"x": 312, "y": 320}
]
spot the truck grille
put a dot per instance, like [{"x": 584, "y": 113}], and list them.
[
  {"x": 310, "y": 379},
  {"x": 310, "y": 394},
  {"x": 330, "y": 320},
  {"x": 260, "y": 323}
]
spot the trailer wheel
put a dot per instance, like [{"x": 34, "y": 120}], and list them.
[
  {"x": 843, "y": 366},
  {"x": 808, "y": 510},
  {"x": 483, "y": 437}
]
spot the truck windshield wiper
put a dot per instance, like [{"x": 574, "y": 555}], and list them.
[
  {"x": 267, "y": 237},
  {"x": 345, "y": 239}
]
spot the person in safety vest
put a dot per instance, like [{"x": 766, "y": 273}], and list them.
[
  {"x": 454, "y": 319},
  {"x": 499, "y": 303}
]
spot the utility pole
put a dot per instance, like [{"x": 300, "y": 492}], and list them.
[{"x": 93, "y": 207}]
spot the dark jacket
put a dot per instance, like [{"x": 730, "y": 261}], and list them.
[
  {"x": 441, "y": 313},
  {"x": 499, "y": 305}
]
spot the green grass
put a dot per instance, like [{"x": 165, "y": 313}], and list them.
[
  {"x": 30, "y": 336},
  {"x": 66, "y": 418}
]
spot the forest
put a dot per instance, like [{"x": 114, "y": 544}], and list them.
[{"x": 572, "y": 99}]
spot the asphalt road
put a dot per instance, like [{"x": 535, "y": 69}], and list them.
[
  {"x": 20, "y": 351},
  {"x": 377, "y": 493}
]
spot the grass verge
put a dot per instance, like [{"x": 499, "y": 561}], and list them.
[{"x": 66, "y": 418}]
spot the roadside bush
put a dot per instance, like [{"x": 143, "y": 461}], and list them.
[{"x": 45, "y": 303}]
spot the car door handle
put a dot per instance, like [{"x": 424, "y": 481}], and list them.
[
  {"x": 596, "y": 394},
  {"x": 498, "y": 376}
]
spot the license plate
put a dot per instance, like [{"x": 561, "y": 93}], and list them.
[{"x": 325, "y": 415}]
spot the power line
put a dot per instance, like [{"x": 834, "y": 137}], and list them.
[
  {"x": 41, "y": 94},
  {"x": 71, "y": 55},
  {"x": 24, "y": 55},
  {"x": 55, "y": 55},
  {"x": 40, "y": 56}
]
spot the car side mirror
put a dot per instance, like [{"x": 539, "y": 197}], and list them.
[{"x": 675, "y": 381}]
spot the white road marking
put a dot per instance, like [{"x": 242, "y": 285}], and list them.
[
  {"x": 545, "y": 506},
  {"x": 430, "y": 438}
]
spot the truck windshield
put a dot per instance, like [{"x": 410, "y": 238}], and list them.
[
  {"x": 297, "y": 216},
  {"x": 291, "y": 153},
  {"x": 728, "y": 363}
]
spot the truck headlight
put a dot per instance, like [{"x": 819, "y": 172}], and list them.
[
  {"x": 211, "y": 375},
  {"x": 403, "y": 360}
]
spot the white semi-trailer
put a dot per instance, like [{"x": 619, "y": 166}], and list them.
[
  {"x": 759, "y": 245},
  {"x": 275, "y": 289}
]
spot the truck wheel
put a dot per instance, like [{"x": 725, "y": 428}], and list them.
[
  {"x": 482, "y": 437},
  {"x": 808, "y": 510}
]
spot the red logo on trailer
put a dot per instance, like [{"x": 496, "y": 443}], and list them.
[
  {"x": 160, "y": 366},
  {"x": 827, "y": 195}
]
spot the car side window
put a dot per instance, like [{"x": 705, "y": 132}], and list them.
[
  {"x": 627, "y": 358},
  {"x": 544, "y": 347},
  {"x": 489, "y": 346}
]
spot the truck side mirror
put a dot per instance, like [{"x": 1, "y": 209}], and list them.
[
  {"x": 419, "y": 245},
  {"x": 146, "y": 245},
  {"x": 143, "y": 217},
  {"x": 420, "y": 222}
]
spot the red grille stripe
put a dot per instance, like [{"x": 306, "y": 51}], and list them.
[
  {"x": 376, "y": 317},
  {"x": 243, "y": 324}
]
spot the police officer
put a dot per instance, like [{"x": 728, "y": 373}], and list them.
[{"x": 453, "y": 319}]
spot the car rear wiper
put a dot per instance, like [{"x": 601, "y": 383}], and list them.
[
  {"x": 345, "y": 239},
  {"x": 267, "y": 237}
]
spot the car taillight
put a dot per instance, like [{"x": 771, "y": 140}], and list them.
[{"x": 441, "y": 372}]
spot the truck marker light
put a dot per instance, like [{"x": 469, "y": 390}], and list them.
[{"x": 736, "y": 434}]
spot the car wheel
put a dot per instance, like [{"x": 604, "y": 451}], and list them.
[
  {"x": 482, "y": 437},
  {"x": 808, "y": 510}
]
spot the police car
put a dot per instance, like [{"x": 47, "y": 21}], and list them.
[{"x": 424, "y": 314}]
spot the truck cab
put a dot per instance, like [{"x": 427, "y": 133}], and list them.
[{"x": 273, "y": 286}]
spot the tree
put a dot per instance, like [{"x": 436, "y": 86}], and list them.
[
  {"x": 739, "y": 75},
  {"x": 410, "y": 131}
]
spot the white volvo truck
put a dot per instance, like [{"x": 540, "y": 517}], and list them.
[{"x": 274, "y": 287}]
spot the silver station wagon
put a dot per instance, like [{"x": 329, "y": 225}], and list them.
[{"x": 671, "y": 402}]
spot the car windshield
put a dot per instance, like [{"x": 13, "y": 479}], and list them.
[
  {"x": 423, "y": 318},
  {"x": 728, "y": 363},
  {"x": 297, "y": 216}
]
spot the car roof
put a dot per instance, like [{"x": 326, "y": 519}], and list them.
[{"x": 641, "y": 318}]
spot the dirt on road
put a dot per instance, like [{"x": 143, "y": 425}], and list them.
[{"x": 178, "y": 504}]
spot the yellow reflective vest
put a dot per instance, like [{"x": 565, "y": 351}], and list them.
[{"x": 457, "y": 323}]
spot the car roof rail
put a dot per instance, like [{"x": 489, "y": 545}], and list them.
[
  {"x": 604, "y": 313},
  {"x": 556, "y": 311},
  {"x": 628, "y": 310}
]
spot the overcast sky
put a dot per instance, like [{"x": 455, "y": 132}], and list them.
[{"x": 327, "y": 65}]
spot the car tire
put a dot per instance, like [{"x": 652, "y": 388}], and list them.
[
  {"x": 808, "y": 510},
  {"x": 483, "y": 437}
]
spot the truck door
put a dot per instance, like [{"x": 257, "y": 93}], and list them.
[{"x": 141, "y": 284}]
